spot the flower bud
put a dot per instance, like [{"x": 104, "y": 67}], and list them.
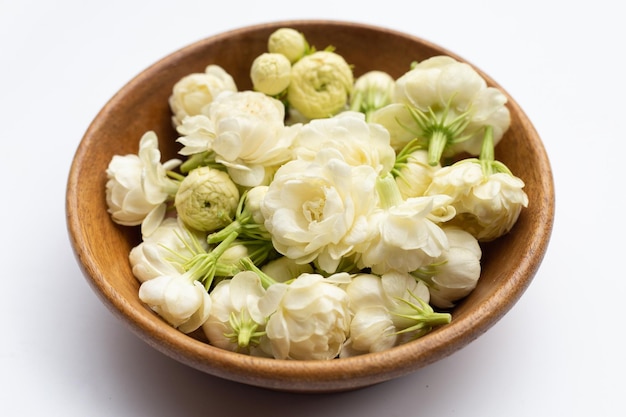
[
  {"x": 253, "y": 202},
  {"x": 320, "y": 84},
  {"x": 194, "y": 92},
  {"x": 182, "y": 302},
  {"x": 288, "y": 42},
  {"x": 457, "y": 272},
  {"x": 270, "y": 73},
  {"x": 207, "y": 199},
  {"x": 415, "y": 175},
  {"x": 372, "y": 90}
]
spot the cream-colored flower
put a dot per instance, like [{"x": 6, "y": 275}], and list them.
[
  {"x": 288, "y": 42},
  {"x": 446, "y": 103},
  {"x": 414, "y": 174},
  {"x": 319, "y": 209},
  {"x": 359, "y": 142},
  {"x": 309, "y": 318},
  {"x": 406, "y": 235},
  {"x": 375, "y": 303},
  {"x": 284, "y": 269},
  {"x": 270, "y": 73},
  {"x": 193, "y": 93},
  {"x": 372, "y": 91},
  {"x": 371, "y": 330},
  {"x": 320, "y": 84},
  {"x": 455, "y": 274},
  {"x": 487, "y": 205},
  {"x": 251, "y": 137},
  {"x": 161, "y": 252},
  {"x": 182, "y": 301},
  {"x": 137, "y": 185},
  {"x": 196, "y": 134},
  {"x": 254, "y": 199},
  {"x": 235, "y": 322},
  {"x": 206, "y": 199}
]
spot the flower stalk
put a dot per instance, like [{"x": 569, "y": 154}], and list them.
[
  {"x": 487, "y": 156},
  {"x": 201, "y": 159},
  {"x": 248, "y": 265},
  {"x": 388, "y": 191},
  {"x": 244, "y": 332},
  {"x": 203, "y": 266},
  {"x": 438, "y": 131},
  {"x": 425, "y": 318},
  {"x": 243, "y": 224}
]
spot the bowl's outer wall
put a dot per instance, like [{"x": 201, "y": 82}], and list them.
[{"x": 102, "y": 247}]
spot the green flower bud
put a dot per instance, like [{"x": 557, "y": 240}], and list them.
[
  {"x": 207, "y": 199},
  {"x": 288, "y": 42},
  {"x": 320, "y": 84},
  {"x": 270, "y": 73}
]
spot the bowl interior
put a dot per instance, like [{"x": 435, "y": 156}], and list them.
[{"x": 102, "y": 247}]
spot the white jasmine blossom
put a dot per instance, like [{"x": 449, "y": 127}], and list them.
[
  {"x": 138, "y": 185},
  {"x": 309, "y": 318},
  {"x": 251, "y": 137},
  {"x": 270, "y": 73},
  {"x": 320, "y": 84},
  {"x": 446, "y": 104},
  {"x": 384, "y": 307},
  {"x": 181, "y": 300},
  {"x": 487, "y": 197},
  {"x": 371, "y": 330},
  {"x": 193, "y": 93},
  {"x": 405, "y": 234},
  {"x": 235, "y": 322},
  {"x": 319, "y": 209},
  {"x": 254, "y": 199},
  {"x": 455, "y": 274},
  {"x": 197, "y": 134},
  {"x": 359, "y": 142},
  {"x": 206, "y": 199},
  {"x": 413, "y": 173},
  {"x": 160, "y": 252},
  {"x": 372, "y": 91}
]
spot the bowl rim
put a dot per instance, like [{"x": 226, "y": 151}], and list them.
[{"x": 310, "y": 376}]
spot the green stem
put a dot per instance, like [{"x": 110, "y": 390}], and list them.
[
  {"x": 196, "y": 160},
  {"x": 487, "y": 154},
  {"x": 388, "y": 191},
  {"x": 425, "y": 318},
  {"x": 204, "y": 266},
  {"x": 246, "y": 333},
  {"x": 259, "y": 250},
  {"x": 356, "y": 102},
  {"x": 436, "y": 145},
  {"x": 266, "y": 280},
  {"x": 405, "y": 153},
  {"x": 244, "y": 330},
  {"x": 234, "y": 227}
]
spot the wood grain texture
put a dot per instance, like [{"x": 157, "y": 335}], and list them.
[{"x": 101, "y": 247}]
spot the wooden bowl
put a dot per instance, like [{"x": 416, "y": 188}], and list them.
[{"x": 102, "y": 247}]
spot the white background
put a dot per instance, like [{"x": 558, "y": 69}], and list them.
[{"x": 559, "y": 351}]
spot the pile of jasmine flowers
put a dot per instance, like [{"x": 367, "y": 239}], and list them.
[{"x": 316, "y": 215}]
